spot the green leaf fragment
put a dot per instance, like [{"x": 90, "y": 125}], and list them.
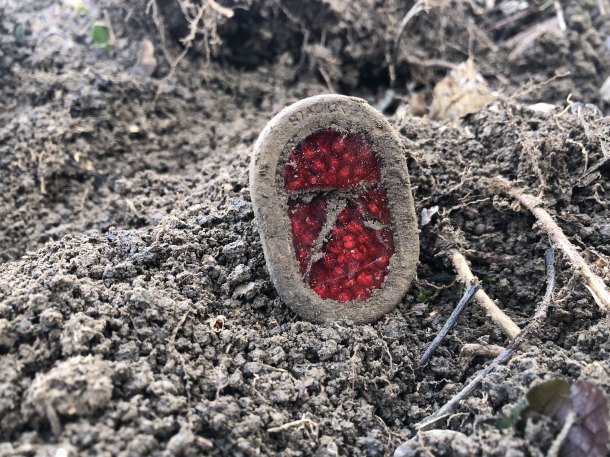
[
  {"x": 548, "y": 398},
  {"x": 100, "y": 35},
  {"x": 513, "y": 416}
]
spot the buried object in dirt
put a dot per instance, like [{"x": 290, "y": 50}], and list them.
[{"x": 331, "y": 193}]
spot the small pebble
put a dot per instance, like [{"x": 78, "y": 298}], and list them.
[{"x": 479, "y": 229}]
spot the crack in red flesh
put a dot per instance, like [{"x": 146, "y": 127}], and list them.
[
  {"x": 356, "y": 259},
  {"x": 355, "y": 255},
  {"x": 307, "y": 219},
  {"x": 375, "y": 202}
]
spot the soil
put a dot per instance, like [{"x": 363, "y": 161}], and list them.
[{"x": 137, "y": 316}]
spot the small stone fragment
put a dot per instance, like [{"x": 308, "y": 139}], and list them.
[{"x": 479, "y": 229}]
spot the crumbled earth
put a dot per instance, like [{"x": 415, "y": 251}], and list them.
[{"x": 137, "y": 316}]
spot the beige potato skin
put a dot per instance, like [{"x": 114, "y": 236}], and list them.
[{"x": 270, "y": 203}]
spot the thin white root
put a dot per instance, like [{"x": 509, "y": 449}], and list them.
[
  {"x": 310, "y": 427},
  {"x": 560, "y": 18},
  {"x": 507, "y": 325},
  {"x": 594, "y": 283},
  {"x": 226, "y": 12}
]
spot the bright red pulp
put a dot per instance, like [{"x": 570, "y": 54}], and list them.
[{"x": 354, "y": 256}]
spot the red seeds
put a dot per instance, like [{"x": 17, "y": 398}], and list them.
[
  {"x": 375, "y": 202},
  {"x": 328, "y": 159},
  {"x": 356, "y": 257},
  {"x": 352, "y": 257}
]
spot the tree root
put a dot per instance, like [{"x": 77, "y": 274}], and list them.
[{"x": 507, "y": 325}]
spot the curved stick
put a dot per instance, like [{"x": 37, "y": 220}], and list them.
[{"x": 593, "y": 283}]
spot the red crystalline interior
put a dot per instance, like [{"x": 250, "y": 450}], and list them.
[
  {"x": 328, "y": 159},
  {"x": 348, "y": 259},
  {"x": 375, "y": 202},
  {"x": 356, "y": 259}
]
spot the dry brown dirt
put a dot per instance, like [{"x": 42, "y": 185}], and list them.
[{"x": 137, "y": 316}]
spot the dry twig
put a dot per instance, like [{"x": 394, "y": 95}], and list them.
[
  {"x": 496, "y": 314},
  {"x": 593, "y": 283},
  {"x": 470, "y": 291},
  {"x": 536, "y": 321},
  {"x": 417, "y": 8}
]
